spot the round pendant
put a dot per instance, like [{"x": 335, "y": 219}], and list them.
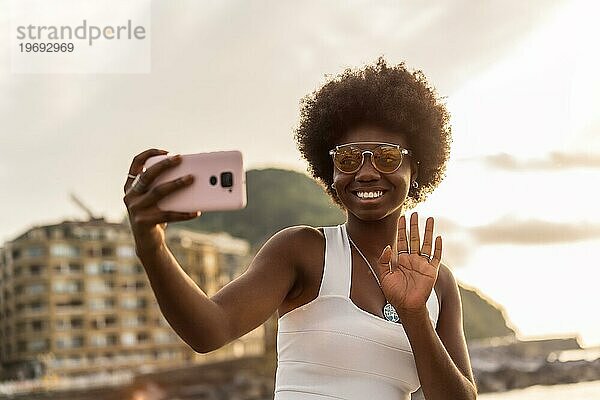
[{"x": 389, "y": 312}]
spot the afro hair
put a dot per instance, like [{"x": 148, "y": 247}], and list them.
[{"x": 391, "y": 98}]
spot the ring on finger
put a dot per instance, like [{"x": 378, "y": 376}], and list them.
[
  {"x": 139, "y": 185},
  {"x": 131, "y": 176},
  {"x": 403, "y": 252},
  {"x": 427, "y": 256}
]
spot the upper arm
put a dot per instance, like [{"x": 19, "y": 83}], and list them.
[
  {"x": 253, "y": 297},
  {"x": 450, "y": 323}
]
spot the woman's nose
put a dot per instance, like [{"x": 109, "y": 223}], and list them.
[{"x": 367, "y": 171}]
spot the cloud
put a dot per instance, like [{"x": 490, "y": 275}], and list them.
[
  {"x": 533, "y": 232},
  {"x": 459, "y": 240},
  {"x": 553, "y": 161}
]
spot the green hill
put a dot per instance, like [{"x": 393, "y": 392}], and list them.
[
  {"x": 280, "y": 198},
  {"x": 276, "y": 199},
  {"x": 482, "y": 319}
]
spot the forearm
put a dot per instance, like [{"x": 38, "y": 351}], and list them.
[
  {"x": 189, "y": 311},
  {"x": 439, "y": 376}
]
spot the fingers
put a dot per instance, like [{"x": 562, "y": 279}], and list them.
[
  {"x": 148, "y": 176},
  {"x": 384, "y": 261},
  {"x": 137, "y": 165},
  {"x": 158, "y": 192},
  {"x": 138, "y": 161},
  {"x": 161, "y": 217},
  {"x": 402, "y": 242},
  {"x": 437, "y": 254},
  {"x": 428, "y": 239},
  {"x": 154, "y": 171},
  {"x": 414, "y": 233}
]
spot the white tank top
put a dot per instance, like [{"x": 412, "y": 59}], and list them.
[{"x": 330, "y": 348}]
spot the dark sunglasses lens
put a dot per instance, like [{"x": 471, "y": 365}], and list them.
[
  {"x": 387, "y": 158},
  {"x": 348, "y": 158}
]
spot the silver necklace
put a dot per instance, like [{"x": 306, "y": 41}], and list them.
[{"x": 389, "y": 312}]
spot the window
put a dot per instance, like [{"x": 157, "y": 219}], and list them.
[
  {"x": 67, "y": 286},
  {"x": 37, "y": 325},
  {"x": 108, "y": 267},
  {"x": 76, "y": 323},
  {"x": 133, "y": 303},
  {"x": 75, "y": 268},
  {"x": 143, "y": 337},
  {"x": 98, "y": 340},
  {"x": 92, "y": 269},
  {"x": 35, "y": 288},
  {"x": 125, "y": 251},
  {"x": 37, "y": 345},
  {"x": 36, "y": 269},
  {"x": 57, "y": 233},
  {"x": 128, "y": 338},
  {"x": 162, "y": 337},
  {"x": 132, "y": 269},
  {"x": 101, "y": 340},
  {"x": 66, "y": 324},
  {"x": 93, "y": 234},
  {"x": 37, "y": 234},
  {"x": 64, "y": 250},
  {"x": 34, "y": 251},
  {"x": 96, "y": 286},
  {"x": 37, "y": 306},
  {"x": 100, "y": 303},
  {"x": 133, "y": 320},
  {"x": 66, "y": 342},
  {"x": 69, "y": 303},
  {"x": 129, "y": 302},
  {"x": 110, "y": 234}
]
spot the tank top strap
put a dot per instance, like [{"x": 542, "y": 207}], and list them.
[{"x": 336, "y": 271}]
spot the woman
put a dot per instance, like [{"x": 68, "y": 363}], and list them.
[{"x": 364, "y": 309}]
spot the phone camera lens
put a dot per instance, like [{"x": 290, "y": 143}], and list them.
[
  {"x": 213, "y": 180},
  {"x": 226, "y": 179}
]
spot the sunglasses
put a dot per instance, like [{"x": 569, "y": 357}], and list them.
[{"x": 385, "y": 157}]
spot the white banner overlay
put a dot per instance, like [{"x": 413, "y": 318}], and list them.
[{"x": 80, "y": 36}]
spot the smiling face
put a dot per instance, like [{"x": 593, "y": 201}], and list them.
[{"x": 368, "y": 194}]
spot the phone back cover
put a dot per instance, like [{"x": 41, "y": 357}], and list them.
[{"x": 202, "y": 195}]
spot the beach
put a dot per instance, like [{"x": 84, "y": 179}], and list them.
[{"x": 578, "y": 391}]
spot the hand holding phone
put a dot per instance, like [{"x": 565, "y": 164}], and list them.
[{"x": 219, "y": 182}]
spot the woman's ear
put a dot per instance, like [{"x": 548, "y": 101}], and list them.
[{"x": 414, "y": 170}]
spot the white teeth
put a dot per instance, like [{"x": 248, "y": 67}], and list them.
[{"x": 369, "y": 195}]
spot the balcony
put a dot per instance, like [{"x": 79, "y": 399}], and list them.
[{"x": 70, "y": 305}]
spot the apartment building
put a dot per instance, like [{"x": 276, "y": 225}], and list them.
[{"x": 75, "y": 300}]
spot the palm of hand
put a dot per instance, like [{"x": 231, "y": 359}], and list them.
[
  {"x": 410, "y": 283},
  {"x": 408, "y": 278}
]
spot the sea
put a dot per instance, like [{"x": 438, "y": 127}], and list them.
[{"x": 573, "y": 391}]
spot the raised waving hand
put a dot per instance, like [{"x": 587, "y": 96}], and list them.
[{"x": 408, "y": 277}]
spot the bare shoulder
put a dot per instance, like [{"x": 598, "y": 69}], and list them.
[
  {"x": 296, "y": 246},
  {"x": 296, "y": 237},
  {"x": 297, "y": 242}
]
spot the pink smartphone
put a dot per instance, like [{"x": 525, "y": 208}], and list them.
[{"x": 219, "y": 182}]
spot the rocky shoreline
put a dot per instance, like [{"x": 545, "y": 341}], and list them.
[
  {"x": 507, "y": 363},
  {"x": 498, "y": 365}
]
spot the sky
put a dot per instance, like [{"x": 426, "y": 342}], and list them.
[{"x": 517, "y": 209}]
